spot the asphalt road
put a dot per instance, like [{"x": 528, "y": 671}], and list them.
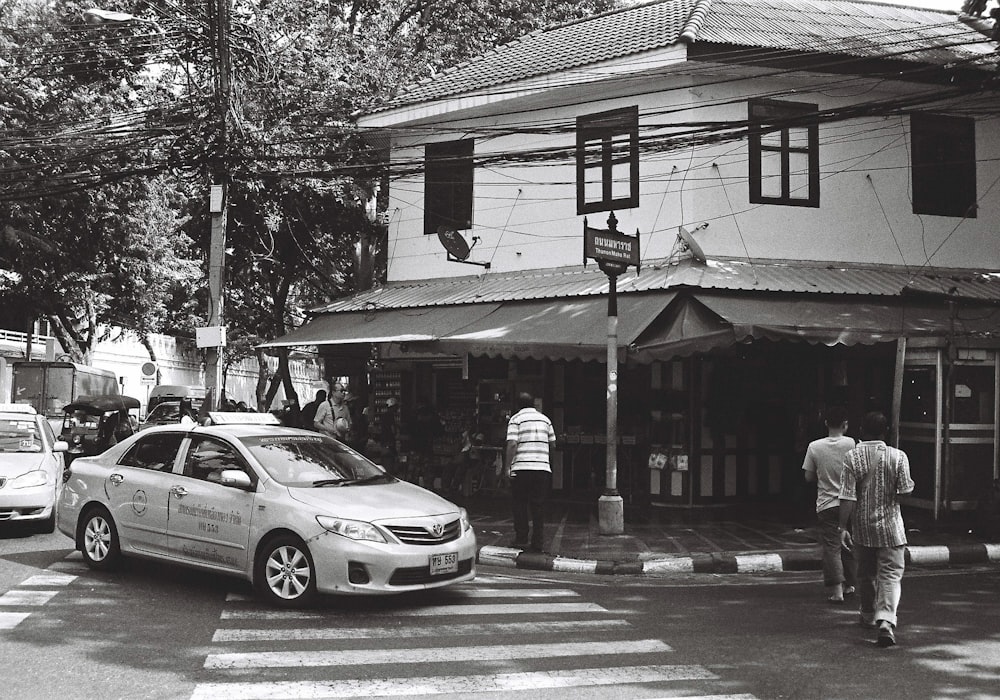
[{"x": 153, "y": 631}]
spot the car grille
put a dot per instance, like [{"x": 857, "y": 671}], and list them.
[
  {"x": 411, "y": 534},
  {"x": 415, "y": 575}
]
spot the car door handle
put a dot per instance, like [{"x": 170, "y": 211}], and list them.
[
  {"x": 179, "y": 491},
  {"x": 116, "y": 479}
]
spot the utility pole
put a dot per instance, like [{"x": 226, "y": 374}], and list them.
[{"x": 214, "y": 337}]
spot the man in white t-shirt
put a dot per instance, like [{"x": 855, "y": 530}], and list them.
[
  {"x": 824, "y": 465},
  {"x": 526, "y": 458}
]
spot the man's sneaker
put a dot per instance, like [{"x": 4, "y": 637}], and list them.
[{"x": 886, "y": 637}]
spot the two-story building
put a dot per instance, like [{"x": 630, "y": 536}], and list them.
[{"x": 837, "y": 166}]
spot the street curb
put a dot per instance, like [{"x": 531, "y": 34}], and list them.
[{"x": 723, "y": 562}]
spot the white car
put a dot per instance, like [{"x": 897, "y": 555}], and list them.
[
  {"x": 31, "y": 467},
  {"x": 293, "y": 511}
]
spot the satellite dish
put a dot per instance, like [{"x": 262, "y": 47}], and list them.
[
  {"x": 691, "y": 243},
  {"x": 454, "y": 243}
]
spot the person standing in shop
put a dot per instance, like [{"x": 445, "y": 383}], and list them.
[
  {"x": 875, "y": 476},
  {"x": 823, "y": 465},
  {"x": 330, "y": 410},
  {"x": 526, "y": 459}
]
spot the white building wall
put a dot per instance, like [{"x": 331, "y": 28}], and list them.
[{"x": 525, "y": 215}]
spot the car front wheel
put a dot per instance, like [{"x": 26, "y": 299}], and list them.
[
  {"x": 284, "y": 574},
  {"x": 99, "y": 540}
]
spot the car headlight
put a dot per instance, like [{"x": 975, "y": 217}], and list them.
[
  {"x": 464, "y": 516},
  {"x": 30, "y": 480},
  {"x": 351, "y": 529}
]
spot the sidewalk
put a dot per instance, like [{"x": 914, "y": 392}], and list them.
[{"x": 661, "y": 541}]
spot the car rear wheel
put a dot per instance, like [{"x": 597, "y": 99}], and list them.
[
  {"x": 99, "y": 540},
  {"x": 284, "y": 574}
]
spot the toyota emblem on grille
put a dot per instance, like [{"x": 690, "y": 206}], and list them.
[{"x": 437, "y": 530}]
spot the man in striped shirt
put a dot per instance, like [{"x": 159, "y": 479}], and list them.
[
  {"x": 526, "y": 457},
  {"x": 874, "y": 477}
]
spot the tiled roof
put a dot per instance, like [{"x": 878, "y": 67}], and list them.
[
  {"x": 731, "y": 275},
  {"x": 848, "y": 27}
]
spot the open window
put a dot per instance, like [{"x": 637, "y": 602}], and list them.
[
  {"x": 944, "y": 165},
  {"x": 607, "y": 161},
  {"x": 448, "y": 172},
  {"x": 784, "y": 153}
]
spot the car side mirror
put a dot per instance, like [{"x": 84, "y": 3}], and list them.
[
  {"x": 60, "y": 446},
  {"x": 236, "y": 478}
]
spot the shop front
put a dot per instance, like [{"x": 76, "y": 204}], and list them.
[{"x": 720, "y": 390}]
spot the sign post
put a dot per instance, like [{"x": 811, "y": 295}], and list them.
[{"x": 614, "y": 252}]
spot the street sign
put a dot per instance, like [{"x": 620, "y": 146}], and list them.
[
  {"x": 613, "y": 251},
  {"x": 147, "y": 373}
]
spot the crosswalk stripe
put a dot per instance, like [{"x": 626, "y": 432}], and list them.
[
  {"x": 18, "y": 598},
  {"x": 301, "y": 634},
  {"x": 430, "y": 611},
  {"x": 49, "y": 579},
  {"x": 357, "y": 657},
  {"x": 10, "y": 620},
  {"x": 458, "y": 685},
  {"x": 234, "y": 597}
]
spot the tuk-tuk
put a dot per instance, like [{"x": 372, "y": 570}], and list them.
[{"x": 92, "y": 424}]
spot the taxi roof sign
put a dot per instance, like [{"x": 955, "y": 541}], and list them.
[
  {"x": 17, "y": 408},
  {"x": 238, "y": 418}
]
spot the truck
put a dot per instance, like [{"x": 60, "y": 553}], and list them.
[{"x": 48, "y": 386}]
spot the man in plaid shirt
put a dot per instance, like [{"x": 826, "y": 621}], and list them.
[{"x": 874, "y": 477}]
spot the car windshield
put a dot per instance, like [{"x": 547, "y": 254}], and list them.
[
  {"x": 19, "y": 434},
  {"x": 165, "y": 412},
  {"x": 304, "y": 461}
]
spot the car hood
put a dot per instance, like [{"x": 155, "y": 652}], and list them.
[
  {"x": 373, "y": 502},
  {"x": 16, "y": 463}
]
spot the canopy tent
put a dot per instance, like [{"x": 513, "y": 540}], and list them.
[
  {"x": 568, "y": 329},
  {"x": 700, "y": 322}
]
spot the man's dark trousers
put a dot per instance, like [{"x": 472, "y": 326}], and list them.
[{"x": 530, "y": 490}]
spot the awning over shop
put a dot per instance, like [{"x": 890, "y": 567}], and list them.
[
  {"x": 554, "y": 328},
  {"x": 700, "y": 322},
  {"x": 384, "y": 325}
]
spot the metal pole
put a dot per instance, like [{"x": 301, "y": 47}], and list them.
[
  {"x": 217, "y": 245},
  {"x": 610, "y": 508}
]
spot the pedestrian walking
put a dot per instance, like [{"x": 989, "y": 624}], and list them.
[
  {"x": 875, "y": 476},
  {"x": 526, "y": 459},
  {"x": 823, "y": 465}
]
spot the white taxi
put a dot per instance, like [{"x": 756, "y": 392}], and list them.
[
  {"x": 293, "y": 511},
  {"x": 31, "y": 467}
]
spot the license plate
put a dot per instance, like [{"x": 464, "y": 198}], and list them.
[{"x": 444, "y": 563}]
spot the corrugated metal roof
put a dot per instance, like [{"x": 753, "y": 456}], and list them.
[
  {"x": 579, "y": 281},
  {"x": 847, "y": 27}
]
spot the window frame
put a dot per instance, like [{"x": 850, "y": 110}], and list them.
[
  {"x": 940, "y": 188},
  {"x": 760, "y": 112},
  {"x": 189, "y": 464},
  {"x": 604, "y": 127},
  {"x": 449, "y": 179}
]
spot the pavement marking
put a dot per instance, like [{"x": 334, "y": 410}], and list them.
[
  {"x": 452, "y": 685},
  {"x": 932, "y": 554},
  {"x": 993, "y": 552},
  {"x": 10, "y": 620},
  {"x": 575, "y": 565},
  {"x": 430, "y": 611},
  {"x": 738, "y": 696},
  {"x": 372, "y": 657},
  {"x": 49, "y": 579},
  {"x": 26, "y": 598},
  {"x": 303, "y": 634},
  {"x": 666, "y": 567},
  {"x": 465, "y": 593},
  {"x": 746, "y": 563}
]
